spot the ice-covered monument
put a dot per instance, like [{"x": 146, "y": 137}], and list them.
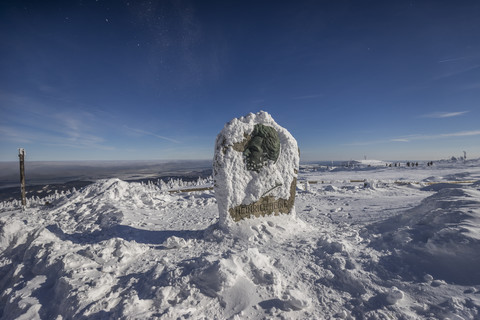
[{"x": 255, "y": 169}]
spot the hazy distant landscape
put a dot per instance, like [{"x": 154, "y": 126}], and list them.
[
  {"x": 47, "y": 172},
  {"x": 59, "y": 172},
  {"x": 65, "y": 175}
]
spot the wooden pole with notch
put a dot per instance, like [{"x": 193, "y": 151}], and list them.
[{"x": 21, "y": 155}]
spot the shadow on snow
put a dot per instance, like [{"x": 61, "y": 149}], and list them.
[{"x": 128, "y": 233}]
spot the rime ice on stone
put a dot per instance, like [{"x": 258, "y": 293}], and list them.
[{"x": 255, "y": 169}]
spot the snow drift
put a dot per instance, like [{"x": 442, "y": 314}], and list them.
[{"x": 440, "y": 237}]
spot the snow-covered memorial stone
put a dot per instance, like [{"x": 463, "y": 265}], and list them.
[{"x": 255, "y": 169}]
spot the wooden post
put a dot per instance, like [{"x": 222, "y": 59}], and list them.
[{"x": 21, "y": 155}]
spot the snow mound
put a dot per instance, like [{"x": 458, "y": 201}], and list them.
[
  {"x": 244, "y": 279},
  {"x": 440, "y": 237},
  {"x": 372, "y": 163},
  {"x": 102, "y": 205}
]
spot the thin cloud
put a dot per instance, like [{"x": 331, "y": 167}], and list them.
[
  {"x": 457, "y": 72},
  {"x": 309, "y": 96},
  {"x": 81, "y": 144},
  {"x": 73, "y": 129},
  {"x": 461, "y": 134},
  {"x": 439, "y": 115},
  {"x": 470, "y": 86},
  {"x": 13, "y": 135},
  {"x": 452, "y": 59},
  {"x": 143, "y": 132},
  {"x": 365, "y": 143},
  {"x": 417, "y": 137},
  {"x": 56, "y": 138},
  {"x": 35, "y": 121}
]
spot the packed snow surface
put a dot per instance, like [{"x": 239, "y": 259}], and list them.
[{"x": 362, "y": 246}]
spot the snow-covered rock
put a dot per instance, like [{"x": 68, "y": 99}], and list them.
[{"x": 255, "y": 168}]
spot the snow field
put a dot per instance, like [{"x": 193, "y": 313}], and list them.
[{"x": 132, "y": 251}]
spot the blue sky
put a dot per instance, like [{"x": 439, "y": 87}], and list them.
[{"x": 141, "y": 80}]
